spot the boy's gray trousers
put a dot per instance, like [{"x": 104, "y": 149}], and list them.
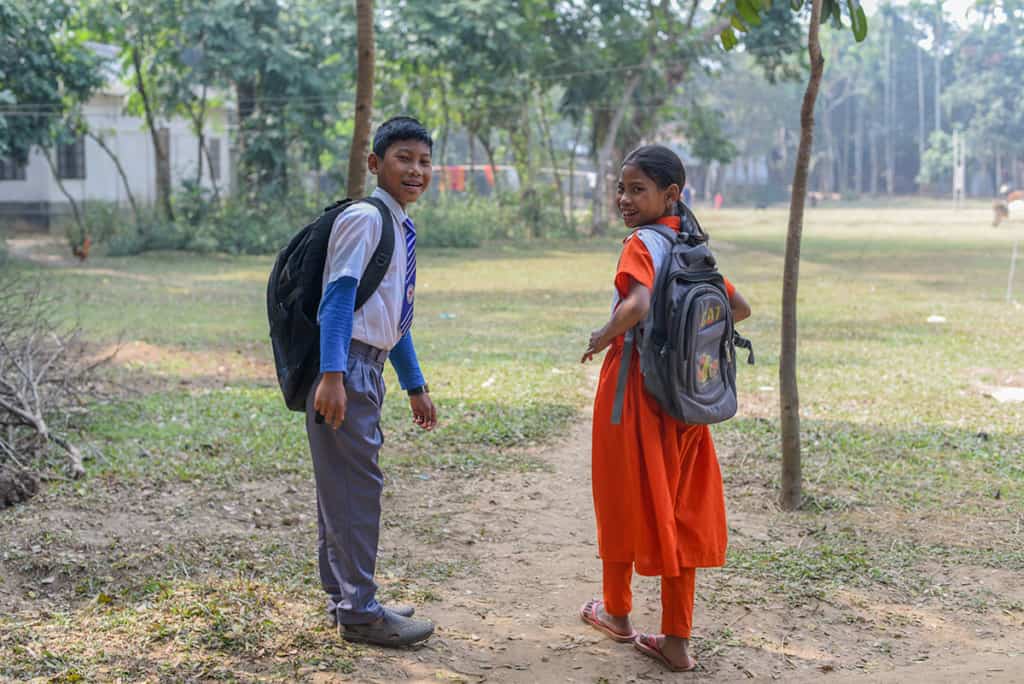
[{"x": 348, "y": 489}]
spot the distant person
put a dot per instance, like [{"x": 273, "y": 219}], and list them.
[
  {"x": 344, "y": 406},
  {"x": 657, "y": 484},
  {"x": 688, "y": 195},
  {"x": 719, "y": 200}
]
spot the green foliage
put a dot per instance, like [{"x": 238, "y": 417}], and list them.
[
  {"x": 937, "y": 164},
  {"x": 750, "y": 13},
  {"x": 45, "y": 71},
  {"x": 708, "y": 142},
  {"x": 462, "y": 222}
]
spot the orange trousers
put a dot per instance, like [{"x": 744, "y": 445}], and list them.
[{"x": 676, "y": 597}]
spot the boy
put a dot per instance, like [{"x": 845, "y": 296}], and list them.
[{"x": 343, "y": 408}]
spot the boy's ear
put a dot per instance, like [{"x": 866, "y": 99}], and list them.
[{"x": 373, "y": 163}]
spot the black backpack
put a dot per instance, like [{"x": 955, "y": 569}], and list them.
[
  {"x": 687, "y": 342},
  {"x": 293, "y": 297}
]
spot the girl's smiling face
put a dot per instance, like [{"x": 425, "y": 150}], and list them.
[{"x": 641, "y": 202}]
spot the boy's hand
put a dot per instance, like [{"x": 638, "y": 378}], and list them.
[
  {"x": 424, "y": 413},
  {"x": 330, "y": 400}
]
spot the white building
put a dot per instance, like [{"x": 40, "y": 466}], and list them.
[{"x": 30, "y": 194}]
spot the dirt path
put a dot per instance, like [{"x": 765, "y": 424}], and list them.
[
  {"x": 530, "y": 543},
  {"x": 501, "y": 561}
]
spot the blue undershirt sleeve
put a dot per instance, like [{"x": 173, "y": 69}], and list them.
[
  {"x": 406, "y": 365},
  {"x": 335, "y": 317}
]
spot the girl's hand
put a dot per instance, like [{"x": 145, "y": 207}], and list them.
[{"x": 596, "y": 346}]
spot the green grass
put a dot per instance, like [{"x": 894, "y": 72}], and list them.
[
  {"x": 892, "y": 408},
  {"x": 897, "y": 432}
]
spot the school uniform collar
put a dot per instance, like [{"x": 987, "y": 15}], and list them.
[
  {"x": 673, "y": 222},
  {"x": 392, "y": 204}
]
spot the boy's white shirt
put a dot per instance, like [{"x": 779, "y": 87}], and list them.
[{"x": 354, "y": 237}]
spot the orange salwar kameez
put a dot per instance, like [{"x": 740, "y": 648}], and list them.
[{"x": 658, "y": 494}]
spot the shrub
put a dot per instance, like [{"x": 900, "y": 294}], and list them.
[{"x": 462, "y": 222}]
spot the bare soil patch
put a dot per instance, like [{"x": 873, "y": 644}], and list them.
[{"x": 502, "y": 563}]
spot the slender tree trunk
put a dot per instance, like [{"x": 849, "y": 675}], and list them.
[
  {"x": 364, "y": 99},
  {"x": 572, "y": 175},
  {"x": 213, "y": 177},
  {"x": 599, "y": 223},
  {"x": 120, "y": 171},
  {"x": 938, "y": 64},
  {"x": 489, "y": 151},
  {"x": 82, "y": 230},
  {"x": 163, "y": 177},
  {"x": 875, "y": 171},
  {"x": 445, "y": 134},
  {"x": 791, "y": 495},
  {"x": 858, "y": 147},
  {"x": 199, "y": 122},
  {"x": 470, "y": 185},
  {"x": 546, "y": 128},
  {"x": 890, "y": 110},
  {"x": 922, "y": 134}
]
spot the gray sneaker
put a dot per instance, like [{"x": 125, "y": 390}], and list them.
[
  {"x": 392, "y": 630},
  {"x": 400, "y": 609}
]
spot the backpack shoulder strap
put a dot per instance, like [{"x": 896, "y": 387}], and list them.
[{"x": 380, "y": 262}]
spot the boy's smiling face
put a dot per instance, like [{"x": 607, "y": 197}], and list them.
[{"x": 405, "y": 170}]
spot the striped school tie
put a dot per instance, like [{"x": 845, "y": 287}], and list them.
[{"x": 405, "y": 321}]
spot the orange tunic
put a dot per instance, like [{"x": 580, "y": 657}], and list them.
[{"x": 657, "y": 484}]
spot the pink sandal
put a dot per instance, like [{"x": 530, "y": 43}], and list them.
[
  {"x": 648, "y": 645},
  {"x": 588, "y": 613}
]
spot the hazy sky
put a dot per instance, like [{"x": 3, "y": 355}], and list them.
[{"x": 955, "y": 9}]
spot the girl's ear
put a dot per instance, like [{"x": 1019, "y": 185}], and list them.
[{"x": 672, "y": 194}]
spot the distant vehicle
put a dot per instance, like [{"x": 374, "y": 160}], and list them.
[
  {"x": 583, "y": 183},
  {"x": 460, "y": 179}
]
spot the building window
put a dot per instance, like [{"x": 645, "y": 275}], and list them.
[
  {"x": 71, "y": 160},
  {"x": 213, "y": 148},
  {"x": 11, "y": 170}
]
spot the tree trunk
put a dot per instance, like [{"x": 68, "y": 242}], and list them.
[
  {"x": 471, "y": 177},
  {"x": 199, "y": 122},
  {"x": 875, "y": 170},
  {"x": 922, "y": 134},
  {"x": 213, "y": 178},
  {"x": 83, "y": 231},
  {"x": 890, "y": 110},
  {"x": 572, "y": 176},
  {"x": 791, "y": 494},
  {"x": 445, "y": 134},
  {"x": 163, "y": 176},
  {"x": 546, "y": 128},
  {"x": 599, "y": 221},
  {"x": 364, "y": 98},
  {"x": 120, "y": 171},
  {"x": 937, "y": 46},
  {"x": 858, "y": 147},
  {"x": 489, "y": 151}
]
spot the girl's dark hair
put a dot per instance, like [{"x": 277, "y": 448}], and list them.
[
  {"x": 664, "y": 167},
  {"x": 660, "y": 164}
]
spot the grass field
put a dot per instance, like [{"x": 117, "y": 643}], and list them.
[{"x": 897, "y": 427}]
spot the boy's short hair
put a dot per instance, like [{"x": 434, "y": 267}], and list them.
[{"x": 399, "y": 128}]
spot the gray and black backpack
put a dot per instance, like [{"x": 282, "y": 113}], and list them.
[{"x": 687, "y": 343}]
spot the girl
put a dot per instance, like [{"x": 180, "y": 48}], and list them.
[{"x": 657, "y": 484}]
